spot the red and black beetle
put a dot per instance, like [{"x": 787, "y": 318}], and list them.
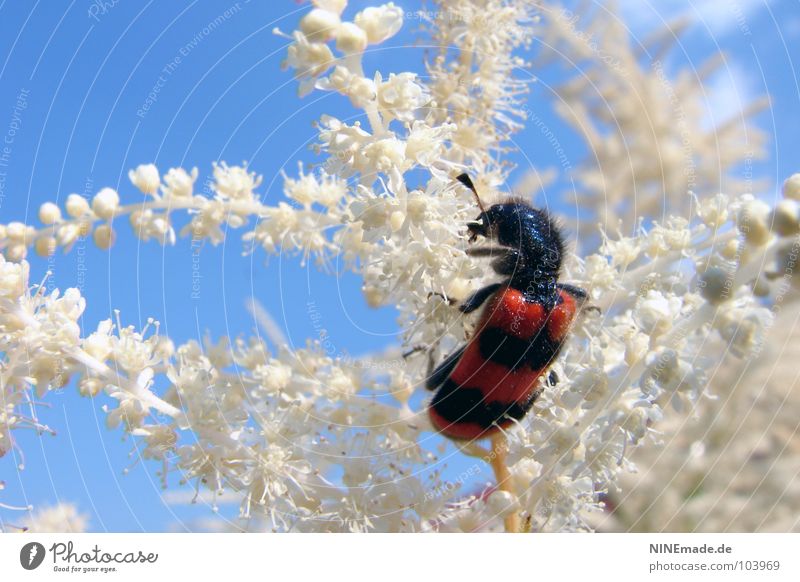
[{"x": 494, "y": 379}]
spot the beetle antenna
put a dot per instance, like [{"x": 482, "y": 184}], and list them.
[{"x": 467, "y": 181}]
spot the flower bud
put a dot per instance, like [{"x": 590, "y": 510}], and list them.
[
  {"x": 49, "y": 213},
  {"x": 145, "y": 177},
  {"x": 374, "y": 296},
  {"x": 396, "y": 220},
  {"x": 380, "y": 22},
  {"x": 84, "y": 227},
  {"x": 785, "y": 217},
  {"x": 335, "y": 6},
  {"x": 45, "y": 246},
  {"x": 13, "y": 283},
  {"x": 752, "y": 222},
  {"x": 320, "y": 25},
  {"x": 90, "y": 387},
  {"x": 165, "y": 348},
  {"x": 655, "y": 313},
  {"x": 713, "y": 211},
  {"x": 67, "y": 234},
  {"x": 502, "y": 503},
  {"x": 179, "y": 182},
  {"x": 77, "y": 205},
  {"x": 730, "y": 250},
  {"x": 791, "y": 187},
  {"x": 715, "y": 285},
  {"x": 105, "y": 203},
  {"x": 16, "y": 231},
  {"x": 761, "y": 287},
  {"x": 104, "y": 237},
  {"x": 350, "y": 38},
  {"x": 16, "y": 252}
]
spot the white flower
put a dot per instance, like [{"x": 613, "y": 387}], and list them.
[
  {"x": 129, "y": 411},
  {"x": 673, "y": 236},
  {"x": 426, "y": 145},
  {"x": 752, "y": 222},
  {"x": 49, "y": 213},
  {"x": 791, "y": 187},
  {"x": 345, "y": 144},
  {"x": 105, "y": 203},
  {"x": 274, "y": 377},
  {"x": 600, "y": 272},
  {"x": 320, "y": 24},
  {"x": 713, "y": 211},
  {"x": 675, "y": 150},
  {"x": 148, "y": 224},
  {"x": 146, "y": 178},
  {"x": 743, "y": 329},
  {"x": 401, "y": 96},
  {"x": 308, "y": 59},
  {"x": 360, "y": 90},
  {"x": 13, "y": 279},
  {"x": 235, "y": 182},
  {"x": 384, "y": 155},
  {"x": 160, "y": 440},
  {"x": 104, "y": 237},
  {"x": 785, "y": 217},
  {"x": 45, "y": 246},
  {"x": 17, "y": 232},
  {"x": 77, "y": 205},
  {"x": 308, "y": 189},
  {"x": 502, "y": 504},
  {"x": 656, "y": 313},
  {"x": 335, "y": 6},
  {"x": 98, "y": 344},
  {"x": 380, "y": 22},
  {"x": 178, "y": 183},
  {"x": 313, "y": 439},
  {"x": 351, "y": 38},
  {"x": 67, "y": 234},
  {"x": 623, "y": 251}
]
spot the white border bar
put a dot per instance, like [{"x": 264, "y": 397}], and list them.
[{"x": 408, "y": 557}]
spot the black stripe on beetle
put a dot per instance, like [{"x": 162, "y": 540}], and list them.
[
  {"x": 457, "y": 404},
  {"x": 512, "y": 352}
]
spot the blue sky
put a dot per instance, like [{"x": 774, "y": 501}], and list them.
[{"x": 84, "y": 74}]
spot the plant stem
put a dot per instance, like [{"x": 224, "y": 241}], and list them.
[{"x": 503, "y": 477}]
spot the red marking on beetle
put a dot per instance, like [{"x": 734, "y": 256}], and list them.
[
  {"x": 494, "y": 380},
  {"x": 561, "y": 317},
  {"x": 509, "y": 311}
]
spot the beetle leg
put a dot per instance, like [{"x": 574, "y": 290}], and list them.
[{"x": 478, "y": 298}]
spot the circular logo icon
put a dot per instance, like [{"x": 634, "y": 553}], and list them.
[{"x": 31, "y": 555}]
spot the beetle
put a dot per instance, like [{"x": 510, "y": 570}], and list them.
[{"x": 494, "y": 379}]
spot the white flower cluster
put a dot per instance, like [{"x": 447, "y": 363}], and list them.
[
  {"x": 730, "y": 462},
  {"x": 270, "y": 430},
  {"x": 312, "y": 443},
  {"x": 33, "y": 329},
  {"x": 676, "y": 300},
  {"x": 651, "y": 134}
]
